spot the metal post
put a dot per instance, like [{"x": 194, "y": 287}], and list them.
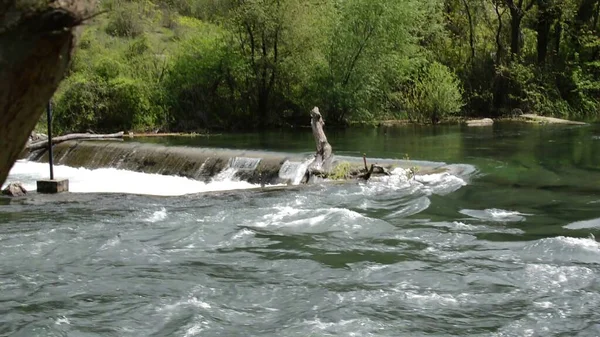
[{"x": 50, "y": 157}]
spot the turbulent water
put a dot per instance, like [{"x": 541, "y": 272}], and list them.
[{"x": 503, "y": 250}]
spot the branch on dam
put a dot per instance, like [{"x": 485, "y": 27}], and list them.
[{"x": 73, "y": 136}]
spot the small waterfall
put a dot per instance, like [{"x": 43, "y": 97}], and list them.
[
  {"x": 294, "y": 171},
  {"x": 236, "y": 165}
]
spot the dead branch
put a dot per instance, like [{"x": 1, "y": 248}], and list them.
[{"x": 73, "y": 136}]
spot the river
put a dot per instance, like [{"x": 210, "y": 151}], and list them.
[{"x": 506, "y": 248}]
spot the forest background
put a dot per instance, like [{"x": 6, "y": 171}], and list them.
[{"x": 198, "y": 65}]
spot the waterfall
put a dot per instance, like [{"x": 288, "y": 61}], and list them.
[
  {"x": 235, "y": 165},
  {"x": 294, "y": 171}
]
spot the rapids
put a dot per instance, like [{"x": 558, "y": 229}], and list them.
[{"x": 501, "y": 244}]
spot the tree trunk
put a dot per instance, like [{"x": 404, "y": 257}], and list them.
[
  {"x": 558, "y": 29},
  {"x": 323, "y": 158},
  {"x": 544, "y": 23},
  {"x": 471, "y": 31},
  {"x": 499, "y": 46},
  {"x": 515, "y": 31},
  {"x": 36, "y": 39}
]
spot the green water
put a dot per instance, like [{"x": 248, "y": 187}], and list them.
[{"x": 503, "y": 251}]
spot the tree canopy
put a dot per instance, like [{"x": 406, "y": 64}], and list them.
[{"x": 188, "y": 65}]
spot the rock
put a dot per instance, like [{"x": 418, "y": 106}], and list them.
[
  {"x": 36, "y": 137},
  {"x": 14, "y": 190},
  {"x": 549, "y": 120},
  {"x": 516, "y": 112},
  {"x": 481, "y": 122}
]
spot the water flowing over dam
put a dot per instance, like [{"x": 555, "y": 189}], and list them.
[{"x": 207, "y": 164}]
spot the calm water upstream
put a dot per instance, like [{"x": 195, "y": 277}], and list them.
[{"x": 506, "y": 250}]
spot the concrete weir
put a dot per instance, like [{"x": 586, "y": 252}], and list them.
[{"x": 204, "y": 164}]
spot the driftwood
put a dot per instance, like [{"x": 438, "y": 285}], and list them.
[
  {"x": 36, "y": 42},
  {"x": 324, "y": 156},
  {"x": 374, "y": 169},
  {"x": 73, "y": 136}
]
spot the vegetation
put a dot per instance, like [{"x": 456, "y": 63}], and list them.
[
  {"x": 340, "y": 171},
  {"x": 187, "y": 65}
]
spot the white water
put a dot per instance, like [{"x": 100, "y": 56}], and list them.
[
  {"x": 110, "y": 180},
  {"x": 294, "y": 170},
  {"x": 236, "y": 164}
]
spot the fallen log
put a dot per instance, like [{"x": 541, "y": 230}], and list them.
[{"x": 73, "y": 136}]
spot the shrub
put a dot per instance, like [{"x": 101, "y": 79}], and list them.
[
  {"x": 435, "y": 95},
  {"x": 340, "y": 171},
  {"x": 125, "y": 22},
  {"x": 118, "y": 104},
  {"x": 78, "y": 104}
]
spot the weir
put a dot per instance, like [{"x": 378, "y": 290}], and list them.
[{"x": 203, "y": 164}]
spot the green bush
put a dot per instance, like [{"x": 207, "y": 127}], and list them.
[
  {"x": 125, "y": 22},
  {"x": 78, "y": 104},
  {"x": 435, "y": 95},
  {"x": 119, "y": 104},
  {"x": 108, "y": 67}
]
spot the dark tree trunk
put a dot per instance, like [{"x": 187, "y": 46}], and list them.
[
  {"x": 499, "y": 45},
  {"x": 471, "y": 31},
  {"x": 558, "y": 30},
  {"x": 517, "y": 12},
  {"x": 544, "y": 23},
  {"x": 36, "y": 44},
  {"x": 515, "y": 31},
  {"x": 500, "y": 92},
  {"x": 585, "y": 13}
]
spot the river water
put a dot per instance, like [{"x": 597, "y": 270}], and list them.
[{"x": 506, "y": 248}]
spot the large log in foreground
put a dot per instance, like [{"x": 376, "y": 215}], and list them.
[
  {"x": 73, "y": 136},
  {"x": 36, "y": 42}
]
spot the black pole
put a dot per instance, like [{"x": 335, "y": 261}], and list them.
[{"x": 50, "y": 157}]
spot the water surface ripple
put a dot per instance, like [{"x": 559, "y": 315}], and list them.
[{"x": 421, "y": 257}]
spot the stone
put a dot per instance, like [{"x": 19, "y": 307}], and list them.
[
  {"x": 480, "y": 122},
  {"x": 516, "y": 112},
  {"x": 36, "y": 137},
  {"x": 549, "y": 120},
  {"x": 14, "y": 190},
  {"x": 52, "y": 186}
]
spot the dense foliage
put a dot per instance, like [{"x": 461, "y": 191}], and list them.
[{"x": 238, "y": 64}]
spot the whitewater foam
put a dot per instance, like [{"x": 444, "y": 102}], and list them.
[
  {"x": 157, "y": 216},
  {"x": 111, "y": 180},
  {"x": 494, "y": 214},
  {"x": 586, "y": 224}
]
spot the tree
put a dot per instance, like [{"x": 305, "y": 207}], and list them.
[{"x": 37, "y": 39}]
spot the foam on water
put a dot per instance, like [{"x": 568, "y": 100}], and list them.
[
  {"x": 403, "y": 179},
  {"x": 545, "y": 277},
  {"x": 563, "y": 249},
  {"x": 497, "y": 215},
  {"x": 157, "y": 216},
  {"x": 588, "y": 244},
  {"x": 586, "y": 224},
  {"x": 62, "y": 320},
  {"x": 110, "y": 180}
]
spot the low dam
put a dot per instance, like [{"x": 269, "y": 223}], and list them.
[{"x": 206, "y": 164}]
